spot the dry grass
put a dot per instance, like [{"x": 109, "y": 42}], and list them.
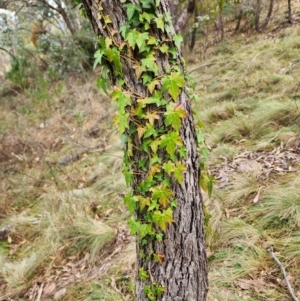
[{"x": 61, "y": 179}]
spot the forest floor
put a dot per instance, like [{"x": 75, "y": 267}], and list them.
[{"x": 63, "y": 225}]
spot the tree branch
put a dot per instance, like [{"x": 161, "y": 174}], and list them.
[
  {"x": 3, "y": 49},
  {"x": 289, "y": 287}
]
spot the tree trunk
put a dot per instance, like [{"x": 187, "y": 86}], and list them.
[
  {"x": 269, "y": 15},
  {"x": 290, "y": 19},
  {"x": 257, "y": 15},
  {"x": 185, "y": 16},
  {"x": 172, "y": 268},
  {"x": 239, "y": 19}
]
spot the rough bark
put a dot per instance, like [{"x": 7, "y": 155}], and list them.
[{"x": 183, "y": 272}]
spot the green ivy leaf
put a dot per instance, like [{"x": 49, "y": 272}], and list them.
[
  {"x": 162, "y": 193},
  {"x": 130, "y": 201},
  {"x": 163, "y": 218},
  {"x": 131, "y": 37},
  {"x": 128, "y": 175},
  {"x": 152, "y": 41},
  {"x": 141, "y": 41},
  {"x": 177, "y": 38},
  {"x": 164, "y": 48},
  {"x": 146, "y": 16},
  {"x": 174, "y": 115},
  {"x": 98, "y": 57},
  {"x": 150, "y": 64},
  {"x": 173, "y": 83},
  {"x": 154, "y": 145},
  {"x": 131, "y": 9},
  {"x": 170, "y": 141},
  {"x": 146, "y": 3},
  {"x": 169, "y": 167},
  {"x": 101, "y": 84},
  {"x": 178, "y": 172},
  {"x": 160, "y": 22},
  {"x": 143, "y": 274},
  {"x": 123, "y": 100},
  {"x": 113, "y": 56},
  {"x": 150, "y": 131},
  {"x": 122, "y": 120}
]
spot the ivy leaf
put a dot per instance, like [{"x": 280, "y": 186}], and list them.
[
  {"x": 170, "y": 141},
  {"x": 101, "y": 83},
  {"x": 160, "y": 22},
  {"x": 141, "y": 41},
  {"x": 131, "y": 9},
  {"x": 139, "y": 69},
  {"x": 122, "y": 121},
  {"x": 146, "y": 16},
  {"x": 159, "y": 257},
  {"x": 144, "y": 230},
  {"x": 151, "y": 86},
  {"x": 122, "y": 99},
  {"x": 113, "y": 55},
  {"x": 143, "y": 202},
  {"x": 98, "y": 57},
  {"x": 131, "y": 37},
  {"x": 143, "y": 274},
  {"x": 163, "y": 219},
  {"x": 169, "y": 167},
  {"x": 178, "y": 172},
  {"x": 150, "y": 131},
  {"x": 128, "y": 175},
  {"x": 146, "y": 3},
  {"x": 173, "y": 83},
  {"x": 174, "y": 114},
  {"x": 141, "y": 130},
  {"x": 149, "y": 64},
  {"x": 130, "y": 201},
  {"x": 177, "y": 38},
  {"x": 154, "y": 145},
  {"x": 152, "y": 116},
  {"x": 164, "y": 48},
  {"x": 154, "y": 169},
  {"x": 162, "y": 194},
  {"x": 152, "y": 41}
]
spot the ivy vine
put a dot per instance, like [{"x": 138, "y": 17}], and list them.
[{"x": 154, "y": 119}]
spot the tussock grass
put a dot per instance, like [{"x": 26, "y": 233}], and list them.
[{"x": 278, "y": 208}]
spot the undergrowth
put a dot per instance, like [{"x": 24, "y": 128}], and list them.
[{"x": 62, "y": 187}]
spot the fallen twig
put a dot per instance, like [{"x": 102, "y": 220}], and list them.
[{"x": 289, "y": 287}]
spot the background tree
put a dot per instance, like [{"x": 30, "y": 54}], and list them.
[{"x": 140, "y": 50}]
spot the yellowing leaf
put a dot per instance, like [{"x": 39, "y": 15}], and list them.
[
  {"x": 151, "y": 86},
  {"x": 152, "y": 116},
  {"x": 141, "y": 130}
]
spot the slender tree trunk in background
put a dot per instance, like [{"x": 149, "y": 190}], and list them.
[
  {"x": 290, "y": 20},
  {"x": 239, "y": 19},
  {"x": 180, "y": 25},
  {"x": 194, "y": 31},
  {"x": 182, "y": 267},
  {"x": 257, "y": 15},
  {"x": 173, "y": 7},
  {"x": 269, "y": 15}
]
